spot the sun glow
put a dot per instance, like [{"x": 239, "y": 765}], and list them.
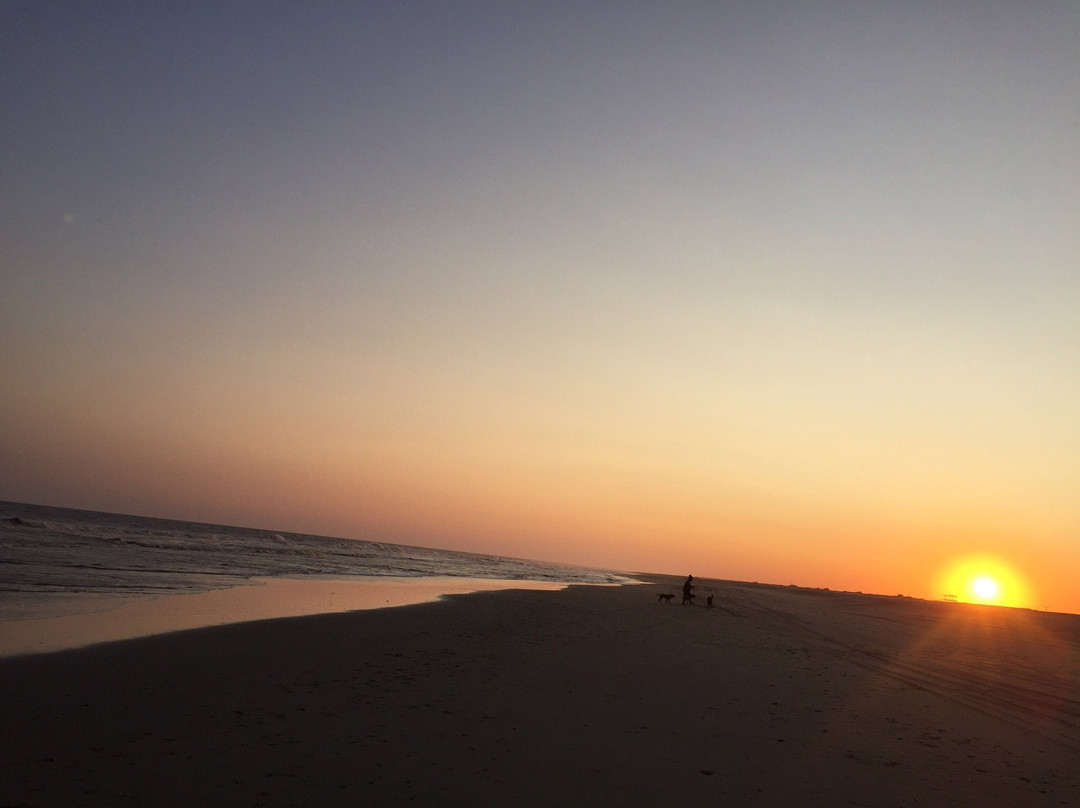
[
  {"x": 985, "y": 588},
  {"x": 984, "y": 579}
]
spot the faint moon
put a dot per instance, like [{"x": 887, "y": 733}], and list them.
[{"x": 69, "y": 218}]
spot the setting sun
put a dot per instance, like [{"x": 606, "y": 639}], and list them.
[
  {"x": 985, "y": 588},
  {"x": 984, "y": 579}
]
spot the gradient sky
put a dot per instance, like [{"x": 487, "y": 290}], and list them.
[{"x": 724, "y": 288}]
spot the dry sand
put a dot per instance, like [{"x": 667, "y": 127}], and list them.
[{"x": 591, "y": 696}]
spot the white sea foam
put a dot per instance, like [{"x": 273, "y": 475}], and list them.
[{"x": 52, "y": 553}]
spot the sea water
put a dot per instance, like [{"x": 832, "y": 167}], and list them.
[{"x": 54, "y": 561}]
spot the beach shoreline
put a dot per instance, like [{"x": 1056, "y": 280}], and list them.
[
  {"x": 586, "y": 696},
  {"x": 93, "y": 619}
]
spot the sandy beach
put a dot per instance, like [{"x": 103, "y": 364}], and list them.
[{"x": 589, "y": 696}]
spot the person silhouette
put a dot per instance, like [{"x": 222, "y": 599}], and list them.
[{"x": 687, "y": 597}]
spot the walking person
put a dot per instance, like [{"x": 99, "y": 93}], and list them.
[{"x": 687, "y": 596}]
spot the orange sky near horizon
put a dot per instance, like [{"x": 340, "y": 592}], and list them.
[
  {"x": 757, "y": 293},
  {"x": 638, "y": 490}
]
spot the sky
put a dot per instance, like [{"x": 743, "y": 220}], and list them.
[{"x": 769, "y": 292}]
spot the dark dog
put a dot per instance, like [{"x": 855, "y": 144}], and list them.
[
  {"x": 708, "y": 601},
  {"x": 665, "y": 598}
]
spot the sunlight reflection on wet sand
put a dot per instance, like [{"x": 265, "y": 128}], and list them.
[{"x": 123, "y": 618}]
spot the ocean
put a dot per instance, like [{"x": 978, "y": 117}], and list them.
[{"x": 51, "y": 556}]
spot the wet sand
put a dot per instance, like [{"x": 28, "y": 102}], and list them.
[
  {"x": 589, "y": 696},
  {"x": 88, "y": 620}
]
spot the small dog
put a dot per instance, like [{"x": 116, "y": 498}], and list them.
[
  {"x": 708, "y": 601},
  {"x": 665, "y": 597}
]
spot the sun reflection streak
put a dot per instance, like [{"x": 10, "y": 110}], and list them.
[{"x": 1016, "y": 665}]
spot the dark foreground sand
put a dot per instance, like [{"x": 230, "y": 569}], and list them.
[{"x": 592, "y": 696}]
